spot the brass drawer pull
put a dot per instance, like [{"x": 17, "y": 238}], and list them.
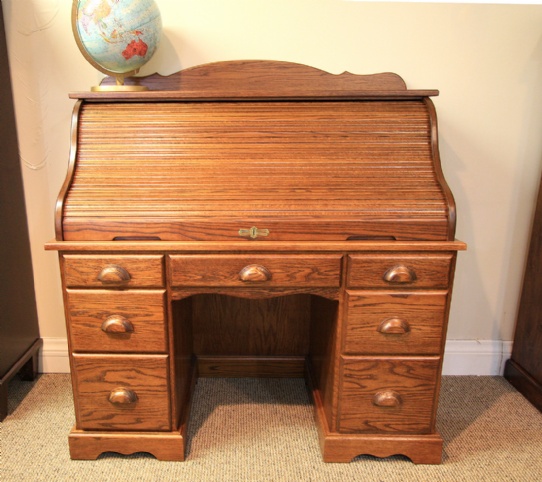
[
  {"x": 399, "y": 274},
  {"x": 387, "y": 398},
  {"x": 117, "y": 324},
  {"x": 122, "y": 396},
  {"x": 394, "y": 326},
  {"x": 114, "y": 274},
  {"x": 254, "y": 272}
]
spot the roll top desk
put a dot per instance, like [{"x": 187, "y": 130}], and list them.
[{"x": 261, "y": 219}]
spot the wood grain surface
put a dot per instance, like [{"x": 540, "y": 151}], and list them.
[
  {"x": 422, "y": 314},
  {"x": 144, "y": 271},
  {"x": 428, "y": 270},
  {"x": 145, "y": 310},
  {"x": 224, "y": 325},
  {"x": 413, "y": 379},
  {"x": 288, "y": 166},
  {"x": 246, "y": 79},
  {"x": 96, "y": 376}
]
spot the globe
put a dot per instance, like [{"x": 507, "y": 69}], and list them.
[{"x": 117, "y": 37}]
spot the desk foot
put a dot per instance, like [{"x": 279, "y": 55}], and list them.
[
  {"x": 86, "y": 445},
  {"x": 420, "y": 449}
]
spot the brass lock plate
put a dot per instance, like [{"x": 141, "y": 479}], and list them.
[{"x": 253, "y": 232}]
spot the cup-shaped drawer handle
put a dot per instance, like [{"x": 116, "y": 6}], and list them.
[
  {"x": 394, "y": 326},
  {"x": 117, "y": 324},
  {"x": 122, "y": 396},
  {"x": 400, "y": 274},
  {"x": 254, "y": 272},
  {"x": 114, "y": 274},
  {"x": 387, "y": 398}
]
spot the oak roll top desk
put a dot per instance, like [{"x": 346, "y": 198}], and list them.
[{"x": 262, "y": 219}]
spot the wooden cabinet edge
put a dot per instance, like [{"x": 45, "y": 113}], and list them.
[{"x": 251, "y": 246}]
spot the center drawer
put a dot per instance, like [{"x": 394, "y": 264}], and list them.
[{"x": 257, "y": 270}]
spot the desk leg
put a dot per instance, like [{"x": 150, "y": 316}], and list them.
[
  {"x": 26, "y": 367},
  {"x": 3, "y": 400},
  {"x": 29, "y": 370}
]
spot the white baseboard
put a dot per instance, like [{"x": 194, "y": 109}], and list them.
[
  {"x": 462, "y": 357},
  {"x": 476, "y": 357},
  {"x": 54, "y": 356}
]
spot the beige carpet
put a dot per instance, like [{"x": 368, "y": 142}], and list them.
[{"x": 262, "y": 430}]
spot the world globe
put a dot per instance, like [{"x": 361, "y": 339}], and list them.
[{"x": 117, "y": 37}]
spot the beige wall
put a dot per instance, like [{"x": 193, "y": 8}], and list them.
[{"x": 484, "y": 59}]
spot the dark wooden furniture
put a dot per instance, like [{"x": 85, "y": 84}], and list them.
[
  {"x": 524, "y": 369},
  {"x": 19, "y": 332},
  {"x": 257, "y": 218}
]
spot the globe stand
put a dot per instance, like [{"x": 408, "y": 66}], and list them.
[{"x": 119, "y": 86}]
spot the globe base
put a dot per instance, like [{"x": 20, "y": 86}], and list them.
[{"x": 119, "y": 88}]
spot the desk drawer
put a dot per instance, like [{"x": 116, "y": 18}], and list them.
[
  {"x": 258, "y": 270},
  {"x": 122, "y": 271},
  {"x": 394, "y": 323},
  {"x": 388, "y": 395},
  {"x": 431, "y": 270},
  {"x": 121, "y": 392},
  {"x": 117, "y": 321}
]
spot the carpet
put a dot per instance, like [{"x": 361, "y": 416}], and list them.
[{"x": 263, "y": 430}]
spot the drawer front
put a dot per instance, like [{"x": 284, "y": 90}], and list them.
[
  {"x": 117, "y": 321},
  {"x": 258, "y": 270},
  {"x": 120, "y": 271},
  {"x": 431, "y": 270},
  {"x": 388, "y": 395},
  {"x": 394, "y": 323},
  {"x": 121, "y": 392}
]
